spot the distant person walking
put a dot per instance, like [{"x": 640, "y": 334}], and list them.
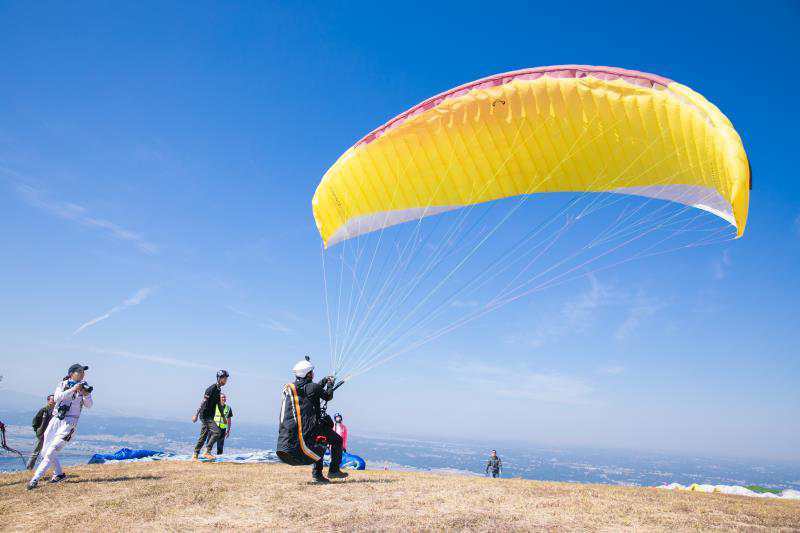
[
  {"x": 494, "y": 465},
  {"x": 71, "y": 396},
  {"x": 209, "y": 430},
  {"x": 340, "y": 429},
  {"x": 39, "y": 424},
  {"x": 223, "y": 421}
]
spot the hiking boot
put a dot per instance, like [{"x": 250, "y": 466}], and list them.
[
  {"x": 319, "y": 479},
  {"x": 59, "y": 477},
  {"x": 338, "y": 474},
  {"x": 32, "y": 485}
]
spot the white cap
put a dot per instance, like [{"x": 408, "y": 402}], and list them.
[{"x": 302, "y": 368}]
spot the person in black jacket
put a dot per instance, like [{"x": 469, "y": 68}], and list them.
[
  {"x": 209, "y": 430},
  {"x": 39, "y": 424},
  {"x": 311, "y": 395},
  {"x": 494, "y": 464}
]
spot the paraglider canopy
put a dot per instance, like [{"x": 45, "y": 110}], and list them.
[
  {"x": 539, "y": 130},
  {"x": 421, "y": 209}
]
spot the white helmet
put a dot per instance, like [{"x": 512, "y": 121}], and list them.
[{"x": 302, "y": 368}]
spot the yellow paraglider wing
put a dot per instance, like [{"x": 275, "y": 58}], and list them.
[{"x": 549, "y": 129}]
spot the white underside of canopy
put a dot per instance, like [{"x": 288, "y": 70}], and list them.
[
  {"x": 699, "y": 197},
  {"x": 368, "y": 223},
  {"x": 704, "y": 198}
]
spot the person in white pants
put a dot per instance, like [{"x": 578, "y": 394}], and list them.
[{"x": 71, "y": 396}]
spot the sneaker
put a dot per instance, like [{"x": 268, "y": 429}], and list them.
[
  {"x": 338, "y": 475},
  {"x": 207, "y": 456},
  {"x": 320, "y": 479},
  {"x": 32, "y": 485},
  {"x": 56, "y": 479}
]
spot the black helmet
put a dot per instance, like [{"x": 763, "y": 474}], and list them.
[{"x": 222, "y": 374}]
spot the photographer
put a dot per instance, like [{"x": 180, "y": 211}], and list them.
[{"x": 71, "y": 396}]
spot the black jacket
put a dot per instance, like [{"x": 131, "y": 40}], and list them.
[
  {"x": 494, "y": 464},
  {"x": 40, "y": 421},
  {"x": 300, "y": 422},
  {"x": 311, "y": 396},
  {"x": 208, "y": 408}
]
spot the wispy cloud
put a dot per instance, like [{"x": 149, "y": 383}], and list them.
[
  {"x": 137, "y": 298},
  {"x": 79, "y": 214},
  {"x": 583, "y": 312},
  {"x": 164, "y": 361},
  {"x": 262, "y": 322},
  {"x": 611, "y": 370},
  {"x": 720, "y": 266},
  {"x": 540, "y": 386},
  {"x": 576, "y": 315},
  {"x": 156, "y": 359},
  {"x": 641, "y": 307}
]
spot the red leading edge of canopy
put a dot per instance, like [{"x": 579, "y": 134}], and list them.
[{"x": 634, "y": 77}]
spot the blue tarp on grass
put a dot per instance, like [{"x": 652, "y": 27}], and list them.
[
  {"x": 122, "y": 455},
  {"x": 349, "y": 460}
]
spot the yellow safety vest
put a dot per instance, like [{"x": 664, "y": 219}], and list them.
[{"x": 220, "y": 419}]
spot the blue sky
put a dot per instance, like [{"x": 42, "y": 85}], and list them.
[{"x": 157, "y": 164}]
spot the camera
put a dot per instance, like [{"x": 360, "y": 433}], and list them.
[
  {"x": 85, "y": 386},
  {"x": 63, "y": 408}
]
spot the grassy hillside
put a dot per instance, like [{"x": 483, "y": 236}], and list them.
[{"x": 178, "y": 495}]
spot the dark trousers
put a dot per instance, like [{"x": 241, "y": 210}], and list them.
[
  {"x": 495, "y": 473},
  {"x": 35, "y": 452},
  {"x": 221, "y": 441},
  {"x": 335, "y": 442},
  {"x": 209, "y": 435}
]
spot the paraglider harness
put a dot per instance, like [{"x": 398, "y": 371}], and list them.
[
  {"x": 5, "y": 445},
  {"x": 298, "y": 442}
]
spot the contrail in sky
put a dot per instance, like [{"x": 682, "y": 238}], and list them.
[{"x": 140, "y": 296}]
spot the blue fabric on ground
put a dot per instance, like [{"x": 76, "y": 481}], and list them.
[
  {"x": 349, "y": 460},
  {"x": 353, "y": 461},
  {"x": 122, "y": 455}
]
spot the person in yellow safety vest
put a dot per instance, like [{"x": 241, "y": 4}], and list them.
[{"x": 223, "y": 419}]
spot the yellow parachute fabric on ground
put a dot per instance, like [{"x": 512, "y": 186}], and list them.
[{"x": 552, "y": 129}]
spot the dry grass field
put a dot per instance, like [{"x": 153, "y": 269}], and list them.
[{"x": 181, "y": 496}]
